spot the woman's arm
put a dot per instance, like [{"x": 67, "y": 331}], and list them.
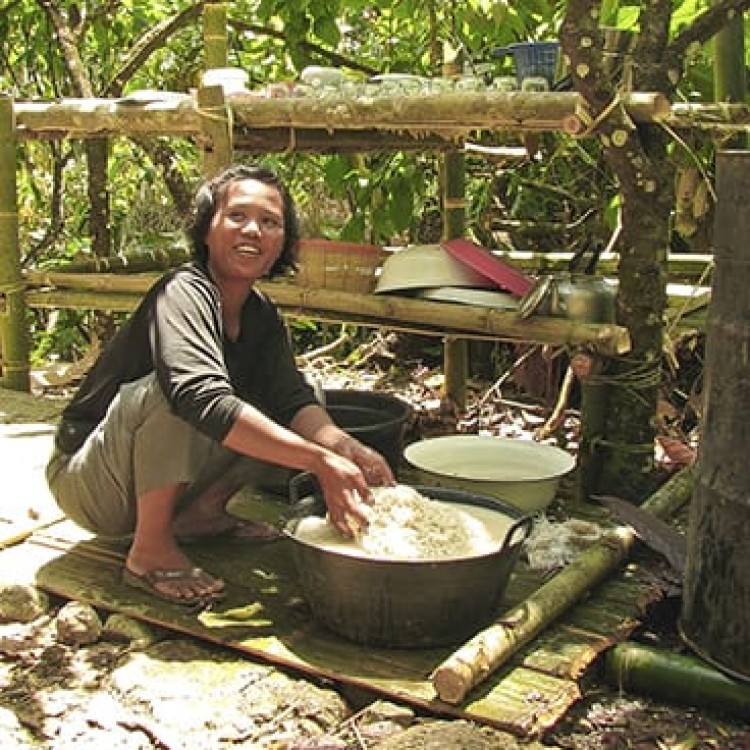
[{"x": 343, "y": 483}]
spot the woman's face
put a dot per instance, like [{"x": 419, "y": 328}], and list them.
[{"x": 246, "y": 234}]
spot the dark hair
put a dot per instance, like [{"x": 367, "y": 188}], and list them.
[{"x": 208, "y": 199}]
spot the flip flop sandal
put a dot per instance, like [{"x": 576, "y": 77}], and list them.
[{"x": 150, "y": 580}]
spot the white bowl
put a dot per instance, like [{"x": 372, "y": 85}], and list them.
[
  {"x": 475, "y": 297},
  {"x": 421, "y": 266},
  {"x": 523, "y": 473}
]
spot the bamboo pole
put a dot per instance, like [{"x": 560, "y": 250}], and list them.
[
  {"x": 216, "y": 129},
  {"x": 455, "y": 350},
  {"x": 87, "y": 118},
  {"x": 14, "y": 339},
  {"x": 450, "y": 115},
  {"x": 459, "y": 112},
  {"x": 673, "y": 677},
  {"x": 402, "y": 313},
  {"x": 475, "y": 660},
  {"x": 215, "y": 43}
]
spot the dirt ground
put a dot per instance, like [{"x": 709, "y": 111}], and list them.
[{"x": 73, "y": 677}]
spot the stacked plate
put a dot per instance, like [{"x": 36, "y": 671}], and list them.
[{"x": 458, "y": 271}]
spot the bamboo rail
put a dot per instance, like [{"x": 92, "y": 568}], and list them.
[
  {"x": 122, "y": 292},
  {"x": 450, "y": 114}
]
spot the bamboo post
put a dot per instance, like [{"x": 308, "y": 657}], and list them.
[
  {"x": 215, "y": 35},
  {"x": 474, "y": 661},
  {"x": 214, "y": 113},
  {"x": 216, "y": 128},
  {"x": 14, "y": 340},
  {"x": 456, "y": 351}
]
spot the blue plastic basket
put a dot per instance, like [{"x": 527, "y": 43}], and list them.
[{"x": 532, "y": 59}]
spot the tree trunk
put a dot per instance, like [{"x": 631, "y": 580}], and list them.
[
  {"x": 637, "y": 155},
  {"x": 717, "y": 585}
]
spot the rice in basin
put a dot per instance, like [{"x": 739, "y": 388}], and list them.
[{"x": 406, "y": 525}]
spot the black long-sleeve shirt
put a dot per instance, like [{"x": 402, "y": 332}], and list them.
[{"x": 177, "y": 331}]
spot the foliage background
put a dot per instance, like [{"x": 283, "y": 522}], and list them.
[{"x": 89, "y": 47}]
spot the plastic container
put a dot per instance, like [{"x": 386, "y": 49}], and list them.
[
  {"x": 532, "y": 60},
  {"x": 232, "y": 80},
  {"x": 375, "y": 419}
]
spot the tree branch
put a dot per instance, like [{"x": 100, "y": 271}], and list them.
[
  {"x": 148, "y": 43},
  {"x": 68, "y": 41}
]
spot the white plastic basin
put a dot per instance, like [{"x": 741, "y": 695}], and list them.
[{"x": 523, "y": 473}]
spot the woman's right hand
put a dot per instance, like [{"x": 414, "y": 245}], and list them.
[{"x": 345, "y": 492}]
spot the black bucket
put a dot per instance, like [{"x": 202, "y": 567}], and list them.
[{"x": 375, "y": 419}]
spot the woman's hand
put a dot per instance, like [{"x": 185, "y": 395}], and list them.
[
  {"x": 372, "y": 464},
  {"x": 345, "y": 491},
  {"x": 345, "y": 469}
]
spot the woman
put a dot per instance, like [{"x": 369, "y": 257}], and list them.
[{"x": 197, "y": 393}]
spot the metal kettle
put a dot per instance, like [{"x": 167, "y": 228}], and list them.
[{"x": 574, "y": 296}]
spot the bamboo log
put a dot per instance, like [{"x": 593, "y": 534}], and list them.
[
  {"x": 145, "y": 259},
  {"x": 79, "y": 118},
  {"x": 675, "y": 677},
  {"x": 318, "y": 141},
  {"x": 455, "y": 350},
  {"x": 68, "y": 299},
  {"x": 399, "y": 313},
  {"x": 475, "y": 660},
  {"x": 450, "y": 116},
  {"x": 459, "y": 112},
  {"x": 453, "y": 114}
]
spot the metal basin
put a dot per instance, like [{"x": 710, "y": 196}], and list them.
[{"x": 406, "y": 604}]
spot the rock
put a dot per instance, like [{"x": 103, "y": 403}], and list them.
[
  {"x": 123, "y": 628},
  {"x": 78, "y": 624},
  {"x": 381, "y": 720},
  {"x": 458, "y": 735},
  {"x": 386, "y": 711},
  {"x": 18, "y": 638},
  {"x": 20, "y": 602}
]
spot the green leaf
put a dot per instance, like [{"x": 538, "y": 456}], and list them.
[
  {"x": 326, "y": 29},
  {"x": 401, "y": 202}
]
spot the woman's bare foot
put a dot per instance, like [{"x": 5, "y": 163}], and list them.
[{"x": 197, "y": 521}]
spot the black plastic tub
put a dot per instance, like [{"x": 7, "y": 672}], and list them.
[
  {"x": 376, "y": 419},
  {"x": 406, "y": 604}
]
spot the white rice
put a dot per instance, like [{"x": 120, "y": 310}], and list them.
[{"x": 405, "y": 525}]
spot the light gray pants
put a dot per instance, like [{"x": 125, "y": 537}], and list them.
[{"x": 141, "y": 446}]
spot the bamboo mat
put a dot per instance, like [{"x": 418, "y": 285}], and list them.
[{"x": 264, "y": 617}]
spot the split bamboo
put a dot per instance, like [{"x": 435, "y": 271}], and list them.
[{"x": 475, "y": 660}]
